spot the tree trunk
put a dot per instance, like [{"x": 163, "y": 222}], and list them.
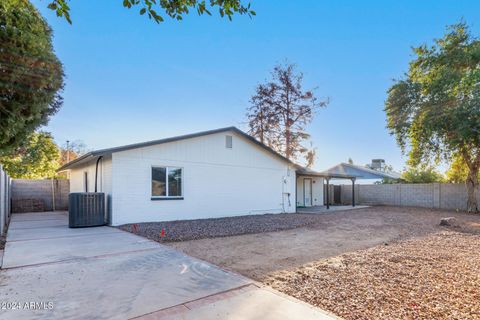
[
  {"x": 472, "y": 190},
  {"x": 288, "y": 150}
]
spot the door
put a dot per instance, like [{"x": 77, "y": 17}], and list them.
[
  {"x": 337, "y": 191},
  {"x": 307, "y": 192}
]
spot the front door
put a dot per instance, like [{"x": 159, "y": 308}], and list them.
[{"x": 307, "y": 192}]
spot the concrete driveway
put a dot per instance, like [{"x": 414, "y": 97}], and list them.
[{"x": 52, "y": 272}]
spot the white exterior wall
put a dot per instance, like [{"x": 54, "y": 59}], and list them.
[
  {"x": 104, "y": 183},
  {"x": 317, "y": 191},
  {"x": 217, "y": 181}
]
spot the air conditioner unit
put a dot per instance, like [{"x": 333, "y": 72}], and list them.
[{"x": 86, "y": 209}]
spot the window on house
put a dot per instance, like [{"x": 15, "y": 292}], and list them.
[
  {"x": 166, "y": 182},
  {"x": 228, "y": 142}
]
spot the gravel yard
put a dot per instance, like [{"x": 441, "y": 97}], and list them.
[
  {"x": 220, "y": 227},
  {"x": 436, "y": 277},
  {"x": 257, "y": 255},
  {"x": 249, "y": 245},
  {"x": 371, "y": 263}
]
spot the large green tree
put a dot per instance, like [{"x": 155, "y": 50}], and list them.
[
  {"x": 37, "y": 158},
  {"x": 458, "y": 171},
  {"x": 175, "y": 9},
  {"x": 435, "y": 111},
  {"x": 31, "y": 76},
  {"x": 421, "y": 175}
]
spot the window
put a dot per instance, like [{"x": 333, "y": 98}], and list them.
[
  {"x": 167, "y": 183},
  {"x": 228, "y": 142}
]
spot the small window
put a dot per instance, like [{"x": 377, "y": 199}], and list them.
[
  {"x": 228, "y": 142},
  {"x": 167, "y": 182},
  {"x": 85, "y": 180}
]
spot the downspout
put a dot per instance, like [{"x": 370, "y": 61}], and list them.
[{"x": 96, "y": 172}]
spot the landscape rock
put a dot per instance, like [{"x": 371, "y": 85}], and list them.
[{"x": 449, "y": 222}]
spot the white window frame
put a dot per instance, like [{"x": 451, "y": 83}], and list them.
[{"x": 166, "y": 197}]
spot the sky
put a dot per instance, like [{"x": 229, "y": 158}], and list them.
[{"x": 129, "y": 79}]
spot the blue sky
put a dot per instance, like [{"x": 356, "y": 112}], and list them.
[{"x": 130, "y": 80}]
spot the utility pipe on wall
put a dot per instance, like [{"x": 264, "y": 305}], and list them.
[{"x": 96, "y": 172}]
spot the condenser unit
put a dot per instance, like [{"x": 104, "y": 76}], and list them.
[{"x": 86, "y": 209}]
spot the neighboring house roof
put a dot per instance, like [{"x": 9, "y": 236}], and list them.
[
  {"x": 359, "y": 172},
  {"x": 102, "y": 152}
]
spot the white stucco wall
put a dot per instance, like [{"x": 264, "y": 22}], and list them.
[
  {"x": 104, "y": 178},
  {"x": 317, "y": 191},
  {"x": 217, "y": 181}
]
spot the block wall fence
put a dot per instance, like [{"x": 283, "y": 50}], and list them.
[
  {"x": 39, "y": 195},
  {"x": 429, "y": 195}
]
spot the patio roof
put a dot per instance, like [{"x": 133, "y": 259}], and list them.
[
  {"x": 359, "y": 172},
  {"x": 302, "y": 171}
]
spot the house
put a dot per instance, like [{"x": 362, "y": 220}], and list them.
[{"x": 216, "y": 173}]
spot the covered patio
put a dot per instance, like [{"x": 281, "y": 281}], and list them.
[
  {"x": 313, "y": 188},
  {"x": 312, "y": 185}
]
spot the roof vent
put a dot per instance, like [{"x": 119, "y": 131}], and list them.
[{"x": 228, "y": 142}]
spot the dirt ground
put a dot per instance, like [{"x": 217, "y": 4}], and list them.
[
  {"x": 258, "y": 255},
  {"x": 431, "y": 277}
]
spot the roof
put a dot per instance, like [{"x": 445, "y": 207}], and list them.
[
  {"x": 360, "y": 172},
  {"x": 103, "y": 152},
  {"x": 309, "y": 172}
]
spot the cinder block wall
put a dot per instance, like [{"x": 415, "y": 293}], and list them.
[
  {"x": 41, "y": 190},
  {"x": 428, "y": 195}
]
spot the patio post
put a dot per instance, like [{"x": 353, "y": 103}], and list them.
[
  {"x": 353, "y": 192},
  {"x": 328, "y": 193}
]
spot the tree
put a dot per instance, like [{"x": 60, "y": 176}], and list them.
[
  {"x": 31, "y": 76},
  {"x": 350, "y": 161},
  {"x": 71, "y": 151},
  {"x": 262, "y": 120},
  {"x": 311, "y": 156},
  {"x": 421, "y": 175},
  {"x": 175, "y": 9},
  {"x": 37, "y": 158},
  {"x": 281, "y": 110},
  {"x": 435, "y": 110},
  {"x": 458, "y": 171}
]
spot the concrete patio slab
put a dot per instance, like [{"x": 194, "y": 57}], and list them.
[
  {"x": 39, "y": 216},
  {"x": 30, "y": 252},
  {"x": 114, "y": 287},
  {"x": 248, "y": 303},
  {"x": 323, "y": 209},
  {"x": 55, "y": 232},
  {"x": 31, "y": 224},
  {"x": 105, "y": 273}
]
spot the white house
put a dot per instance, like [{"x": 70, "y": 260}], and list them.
[{"x": 217, "y": 173}]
